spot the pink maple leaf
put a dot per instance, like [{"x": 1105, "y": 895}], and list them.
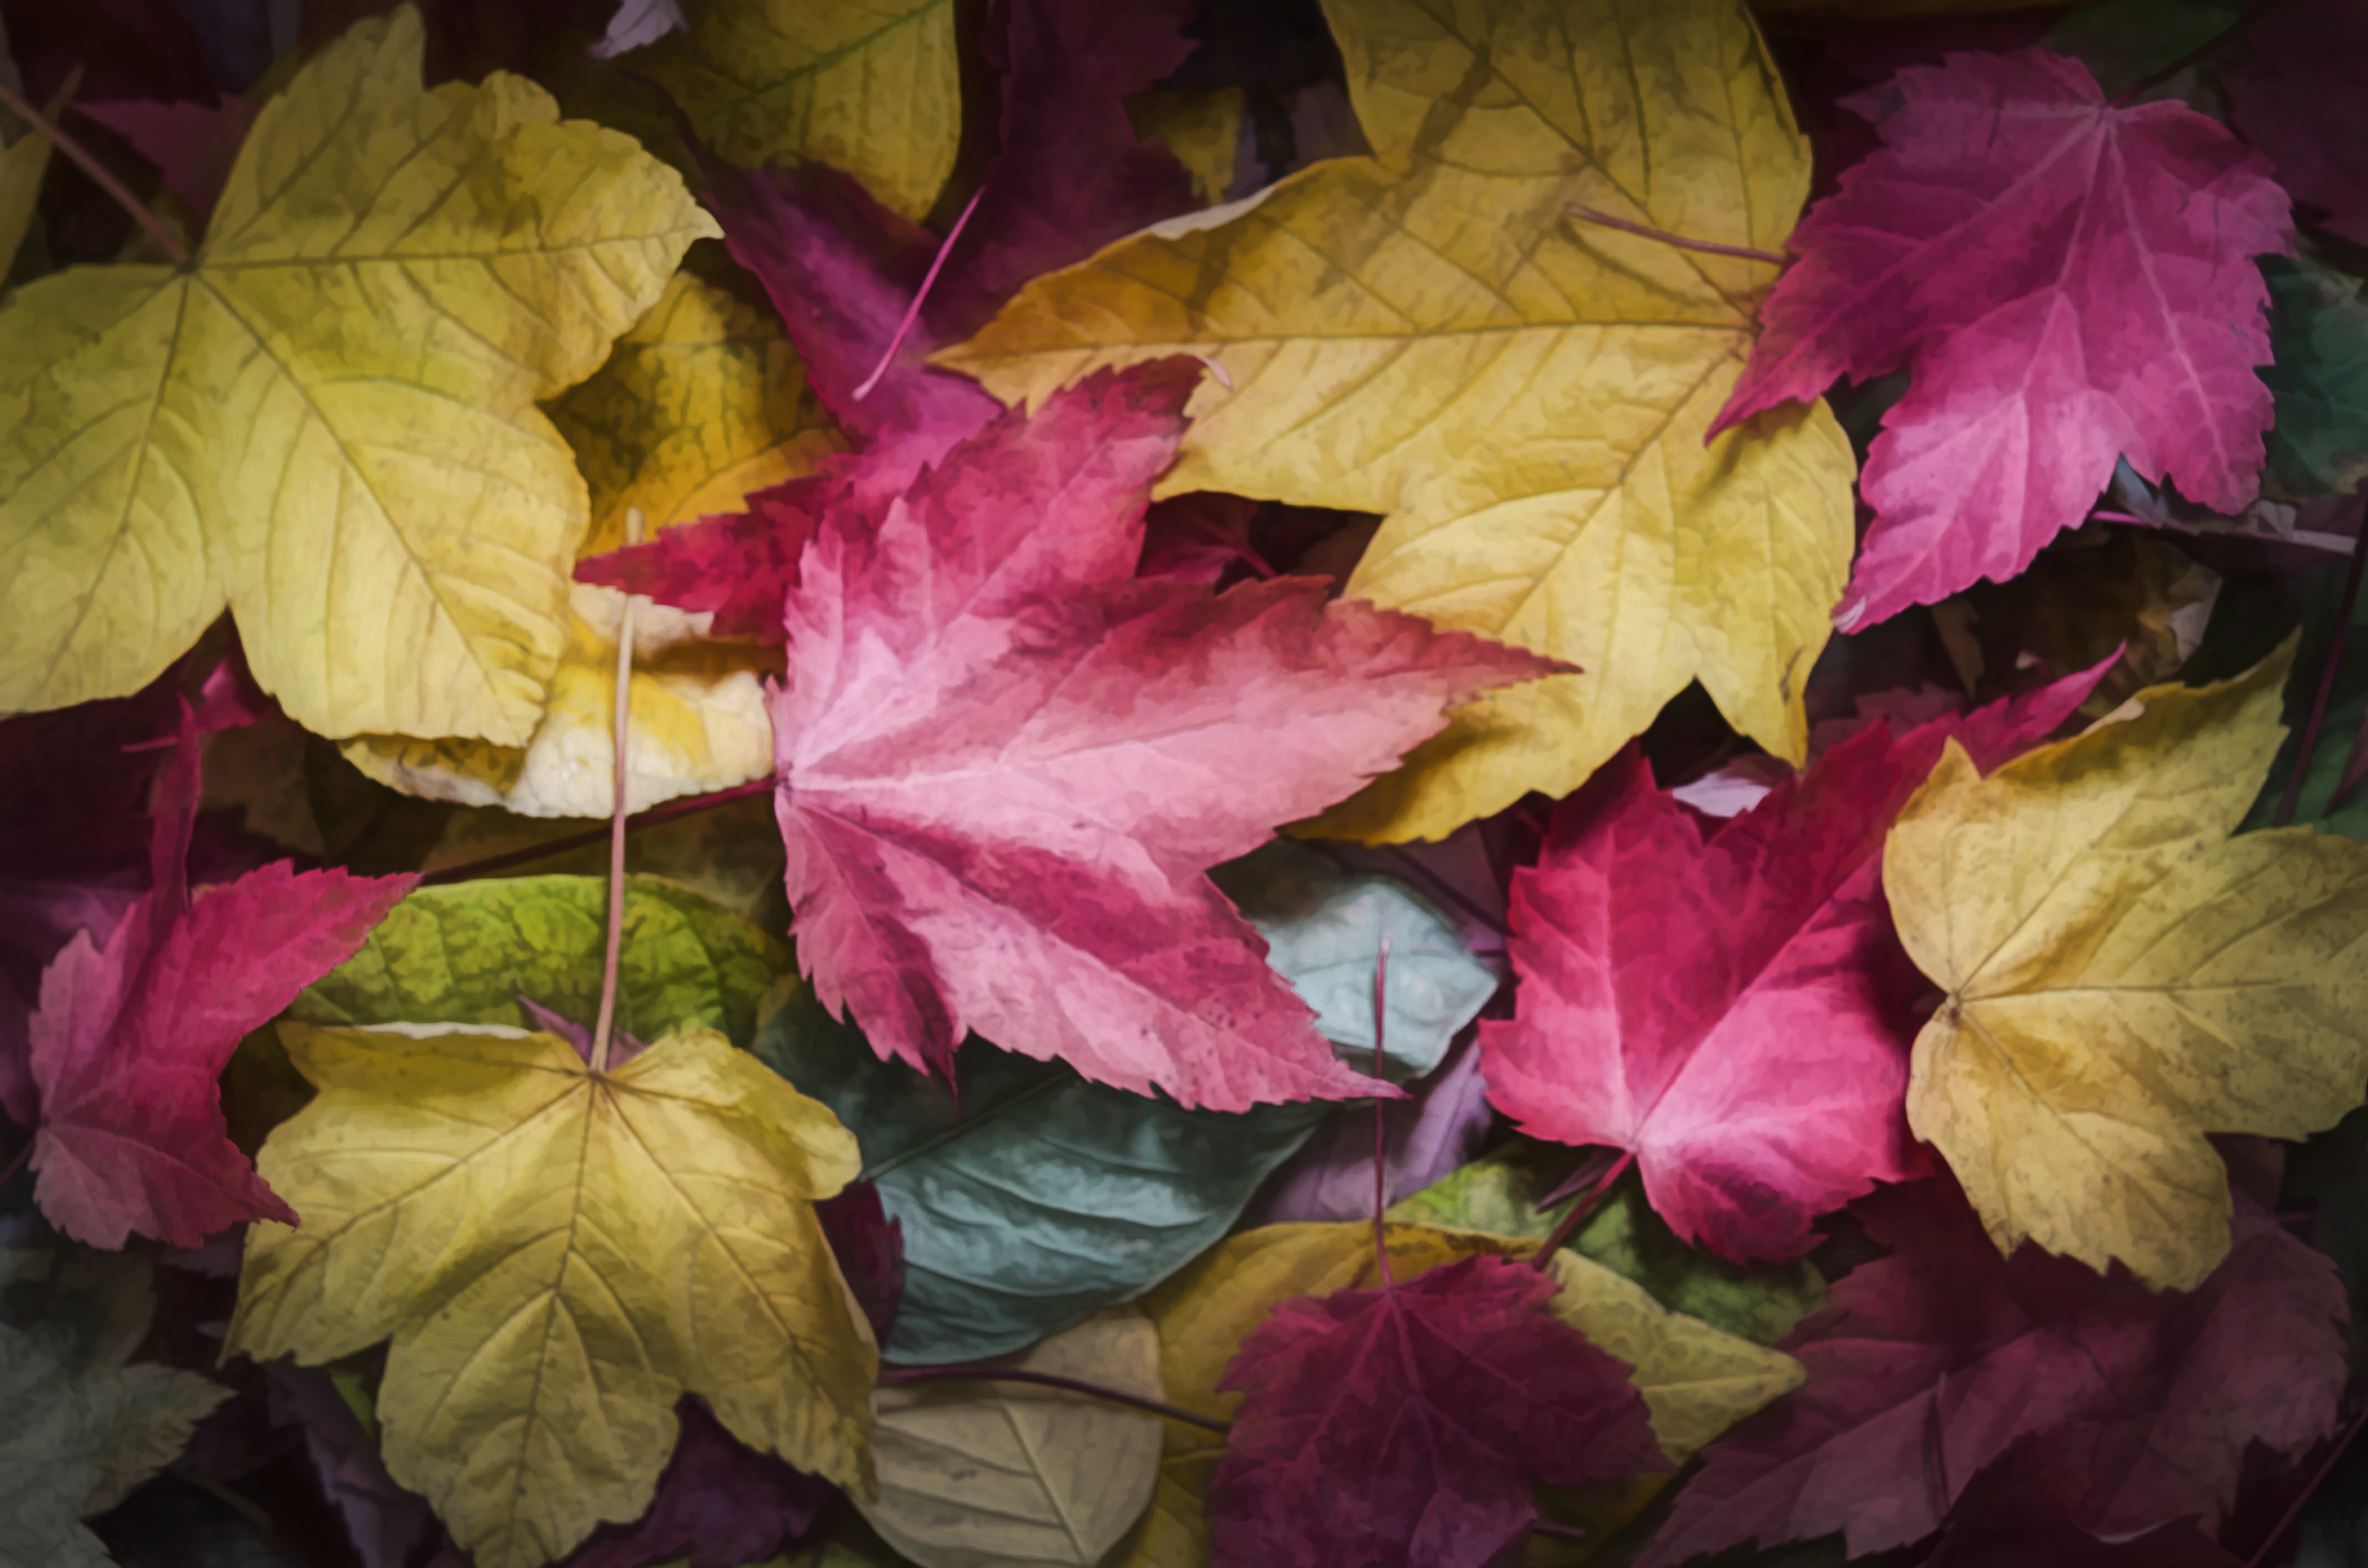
[
  {"x": 130, "y": 1034},
  {"x": 1003, "y": 762},
  {"x": 1729, "y": 1007},
  {"x": 2069, "y": 281},
  {"x": 1925, "y": 1366},
  {"x": 1405, "y": 1426}
]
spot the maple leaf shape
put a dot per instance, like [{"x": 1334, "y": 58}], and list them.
[
  {"x": 2122, "y": 977},
  {"x": 1427, "y": 333},
  {"x": 132, "y": 1034},
  {"x": 1730, "y": 1006},
  {"x": 1004, "y": 763},
  {"x": 1927, "y": 1364},
  {"x": 2071, "y": 283},
  {"x": 559, "y": 1255},
  {"x": 327, "y": 419},
  {"x": 1405, "y": 1425},
  {"x": 2294, "y": 101}
]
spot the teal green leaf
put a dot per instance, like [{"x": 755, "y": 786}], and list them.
[
  {"x": 1499, "y": 1195},
  {"x": 2319, "y": 336},
  {"x": 464, "y": 954}
]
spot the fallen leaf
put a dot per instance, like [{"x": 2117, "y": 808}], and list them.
[
  {"x": 1996, "y": 244},
  {"x": 344, "y": 377},
  {"x": 1730, "y": 1006},
  {"x": 193, "y": 145},
  {"x": 870, "y": 1246},
  {"x": 697, "y": 724},
  {"x": 2128, "y": 600},
  {"x": 1009, "y": 1476},
  {"x": 719, "y": 1504},
  {"x": 471, "y": 952},
  {"x": 384, "y": 1521},
  {"x": 989, "y": 725},
  {"x": 1204, "y": 126},
  {"x": 23, "y": 163},
  {"x": 702, "y": 403},
  {"x": 870, "y": 86},
  {"x": 2018, "y": 1510},
  {"x": 560, "y": 1254},
  {"x": 85, "y": 1426},
  {"x": 638, "y": 22},
  {"x": 2318, "y": 327},
  {"x": 2295, "y": 102},
  {"x": 1426, "y": 332},
  {"x": 132, "y": 1032},
  {"x": 1931, "y": 1362},
  {"x": 1437, "y": 1127},
  {"x": 1405, "y": 1424},
  {"x": 2121, "y": 977}
]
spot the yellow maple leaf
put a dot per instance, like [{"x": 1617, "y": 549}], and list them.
[
  {"x": 871, "y": 86},
  {"x": 558, "y": 1256},
  {"x": 699, "y": 724},
  {"x": 701, "y": 402},
  {"x": 326, "y": 420},
  {"x": 2122, "y": 977},
  {"x": 1426, "y": 332}
]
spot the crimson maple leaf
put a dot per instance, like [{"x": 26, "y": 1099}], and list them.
[
  {"x": 1405, "y": 1426},
  {"x": 1003, "y": 762},
  {"x": 1924, "y": 1365},
  {"x": 1728, "y": 1008},
  {"x": 131, "y": 1033},
  {"x": 2070, "y": 282}
]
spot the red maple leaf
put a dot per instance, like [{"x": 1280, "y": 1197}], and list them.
[
  {"x": 2070, "y": 282},
  {"x": 1003, "y": 762},
  {"x": 131, "y": 1033},
  {"x": 1925, "y": 1366},
  {"x": 1405, "y": 1426},
  {"x": 1729, "y": 1007}
]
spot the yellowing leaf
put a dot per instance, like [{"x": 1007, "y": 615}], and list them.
[
  {"x": 558, "y": 1256},
  {"x": 2122, "y": 977},
  {"x": 699, "y": 724},
  {"x": 1425, "y": 333},
  {"x": 1696, "y": 1379},
  {"x": 327, "y": 420},
  {"x": 701, "y": 402},
  {"x": 870, "y": 86},
  {"x": 1204, "y": 1313},
  {"x": 985, "y": 1474}
]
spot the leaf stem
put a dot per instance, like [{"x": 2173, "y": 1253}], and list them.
[
  {"x": 602, "y": 1027},
  {"x": 899, "y": 1375},
  {"x": 2326, "y": 672},
  {"x": 1382, "y": 1114},
  {"x": 1708, "y": 248},
  {"x": 469, "y": 870},
  {"x": 63, "y": 141},
  {"x": 1580, "y": 1211},
  {"x": 2294, "y": 1510},
  {"x": 2197, "y": 56},
  {"x": 912, "y": 311}
]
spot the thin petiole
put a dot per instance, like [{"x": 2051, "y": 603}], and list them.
[
  {"x": 63, "y": 141},
  {"x": 1708, "y": 248},
  {"x": 1579, "y": 1212},
  {"x": 603, "y": 1027}
]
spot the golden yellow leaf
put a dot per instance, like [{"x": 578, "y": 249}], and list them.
[
  {"x": 1204, "y": 1313},
  {"x": 327, "y": 419},
  {"x": 699, "y": 724},
  {"x": 1425, "y": 333},
  {"x": 2122, "y": 977},
  {"x": 871, "y": 86},
  {"x": 1005, "y": 1475},
  {"x": 558, "y": 1255},
  {"x": 701, "y": 402}
]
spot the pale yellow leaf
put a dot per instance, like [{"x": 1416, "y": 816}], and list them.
[
  {"x": 328, "y": 419},
  {"x": 1425, "y": 333},
  {"x": 701, "y": 402},
  {"x": 558, "y": 1255},
  {"x": 699, "y": 724},
  {"x": 2122, "y": 977},
  {"x": 1008, "y": 1476},
  {"x": 871, "y": 86}
]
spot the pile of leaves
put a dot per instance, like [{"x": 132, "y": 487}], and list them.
[{"x": 1055, "y": 782}]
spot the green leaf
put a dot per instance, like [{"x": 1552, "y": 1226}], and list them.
[
  {"x": 2125, "y": 41},
  {"x": 464, "y": 954},
  {"x": 2319, "y": 333}
]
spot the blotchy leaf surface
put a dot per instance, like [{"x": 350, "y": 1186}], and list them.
[
  {"x": 558, "y": 1255},
  {"x": 2070, "y": 282},
  {"x": 1424, "y": 333},
  {"x": 1405, "y": 1424},
  {"x": 1004, "y": 764},
  {"x": 2122, "y": 977}
]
